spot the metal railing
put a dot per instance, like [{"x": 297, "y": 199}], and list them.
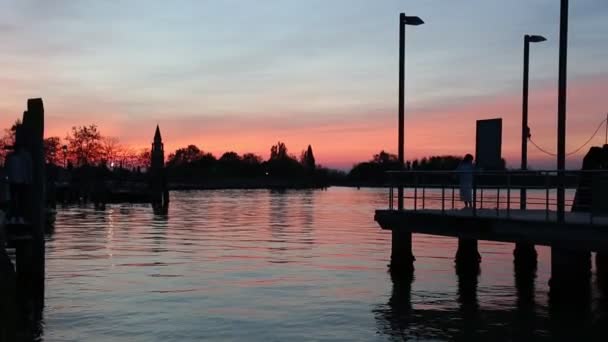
[{"x": 503, "y": 192}]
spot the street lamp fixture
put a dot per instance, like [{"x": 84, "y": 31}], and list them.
[
  {"x": 411, "y": 20},
  {"x": 536, "y": 39},
  {"x": 525, "y": 130},
  {"x": 403, "y": 21}
]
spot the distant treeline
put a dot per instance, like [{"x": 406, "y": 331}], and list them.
[
  {"x": 373, "y": 172},
  {"x": 190, "y": 164},
  {"x": 85, "y": 148}
]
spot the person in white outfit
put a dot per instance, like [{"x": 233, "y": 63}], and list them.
[{"x": 465, "y": 173}]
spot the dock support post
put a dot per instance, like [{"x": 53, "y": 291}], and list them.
[
  {"x": 468, "y": 253},
  {"x": 570, "y": 276},
  {"x": 25, "y": 280},
  {"x": 525, "y": 255},
  {"x": 525, "y": 276},
  {"x": 402, "y": 258},
  {"x": 8, "y": 294},
  {"x": 601, "y": 266},
  {"x": 468, "y": 278}
]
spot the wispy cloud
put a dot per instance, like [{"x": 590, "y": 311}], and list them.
[{"x": 240, "y": 75}]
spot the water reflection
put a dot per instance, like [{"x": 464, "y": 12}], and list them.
[
  {"x": 160, "y": 224},
  {"x": 525, "y": 277},
  {"x": 307, "y": 214},
  {"x": 468, "y": 278},
  {"x": 566, "y": 320},
  {"x": 267, "y": 265},
  {"x": 277, "y": 221}
]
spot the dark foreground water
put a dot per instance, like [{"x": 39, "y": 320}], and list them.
[{"x": 284, "y": 266}]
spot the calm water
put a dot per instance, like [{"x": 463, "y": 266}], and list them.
[{"x": 281, "y": 266}]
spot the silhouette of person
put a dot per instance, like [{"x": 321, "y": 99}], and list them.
[
  {"x": 465, "y": 173},
  {"x": 19, "y": 174}
]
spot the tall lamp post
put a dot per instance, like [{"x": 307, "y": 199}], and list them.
[
  {"x": 402, "y": 258},
  {"x": 525, "y": 130},
  {"x": 403, "y": 21},
  {"x": 561, "y": 110}
]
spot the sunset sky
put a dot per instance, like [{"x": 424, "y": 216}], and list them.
[{"x": 240, "y": 75}]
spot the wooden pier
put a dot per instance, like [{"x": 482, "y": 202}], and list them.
[
  {"x": 579, "y": 232},
  {"x": 432, "y": 207}
]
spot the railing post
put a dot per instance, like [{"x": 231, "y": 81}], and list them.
[
  {"x": 481, "y": 199},
  {"x": 423, "y": 196},
  {"x": 390, "y": 197},
  {"x": 498, "y": 201},
  {"x": 547, "y": 183},
  {"x": 474, "y": 195},
  {"x": 415, "y": 192},
  {"x": 508, "y": 195},
  {"x": 442, "y": 199},
  {"x": 453, "y": 199}
]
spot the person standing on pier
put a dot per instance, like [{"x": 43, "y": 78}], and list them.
[{"x": 465, "y": 173}]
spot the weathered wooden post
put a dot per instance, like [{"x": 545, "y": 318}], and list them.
[
  {"x": 467, "y": 254},
  {"x": 33, "y": 129},
  {"x": 570, "y": 275},
  {"x": 601, "y": 266},
  {"x": 8, "y": 292},
  {"x": 468, "y": 279},
  {"x": 402, "y": 258}
]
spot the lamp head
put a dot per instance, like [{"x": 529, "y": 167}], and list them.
[
  {"x": 535, "y": 38},
  {"x": 411, "y": 20}
]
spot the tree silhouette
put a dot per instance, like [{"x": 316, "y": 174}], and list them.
[
  {"x": 252, "y": 159},
  {"x": 52, "y": 148},
  {"x": 230, "y": 157},
  {"x": 8, "y": 140},
  {"x": 385, "y": 158},
  {"x": 85, "y": 145},
  {"x": 374, "y": 171},
  {"x": 278, "y": 151},
  {"x": 307, "y": 159},
  {"x": 112, "y": 151},
  {"x": 184, "y": 156}
]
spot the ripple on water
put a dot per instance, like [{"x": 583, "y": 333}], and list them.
[{"x": 269, "y": 265}]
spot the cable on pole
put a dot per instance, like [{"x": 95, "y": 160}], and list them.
[{"x": 576, "y": 150}]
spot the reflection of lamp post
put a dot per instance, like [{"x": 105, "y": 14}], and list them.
[
  {"x": 414, "y": 21},
  {"x": 525, "y": 130},
  {"x": 65, "y": 156}
]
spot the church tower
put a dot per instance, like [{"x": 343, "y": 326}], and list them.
[
  {"x": 158, "y": 175},
  {"x": 157, "y": 154}
]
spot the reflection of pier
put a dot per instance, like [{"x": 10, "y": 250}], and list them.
[
  {"x": 401, "y": 318},
  {"x": 431, "y": 207}
]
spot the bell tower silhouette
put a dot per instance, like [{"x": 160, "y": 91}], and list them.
[{"x": 158, "y": 175}]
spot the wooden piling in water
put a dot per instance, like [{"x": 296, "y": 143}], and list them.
[
  {"x": 601, "y": 267},
  {"x": 570, "y": 275},
  {"x": 8, "y": 293},
  {"x": 33, "y": 130},
  {"x": 402, "y": 258},
  {"x": 525, "y": 255},
  {"x": 467, "y": 252}
]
